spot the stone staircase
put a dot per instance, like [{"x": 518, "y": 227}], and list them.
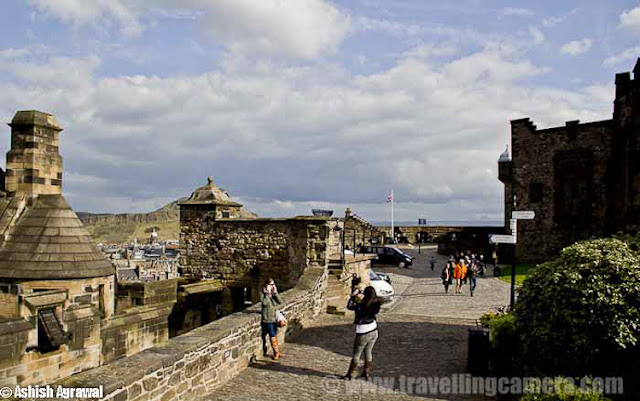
[{"x": 336, "y": 290}]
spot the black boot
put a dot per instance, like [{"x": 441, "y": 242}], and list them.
[{"x": 352, "y": 368}]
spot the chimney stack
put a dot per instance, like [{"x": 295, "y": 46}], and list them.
[{"x": 34, "y": 166}]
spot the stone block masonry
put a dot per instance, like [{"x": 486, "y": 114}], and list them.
[
  {"x": 137, "y": 329},
  {"x": 581, "y": 180},
  {"x": 191, "y": 365},
  {"x": 253, "y": 249},
  {"x": 132, "y": 294}
]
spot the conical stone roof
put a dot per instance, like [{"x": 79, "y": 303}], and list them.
[
  {"x": 210, "y": 194},
  {"x": 46, "y": 240}
]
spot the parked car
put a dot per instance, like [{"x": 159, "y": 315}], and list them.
[
  {"x": 384, "y": 290},
  {"x": 388, "y": 255},
  {"x": 385, "y": 277}
]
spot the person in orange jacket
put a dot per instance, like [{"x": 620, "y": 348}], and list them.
[{"x": 459, "y": 273}]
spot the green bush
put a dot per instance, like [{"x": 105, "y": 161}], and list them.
[
  {"x": 488, "y": 317},
  {"x": 566, "y": 391},
  {"x": 580, "y": 314},
  {"x": 502, "y": 329},
  {"x": 505, "y": 344}
]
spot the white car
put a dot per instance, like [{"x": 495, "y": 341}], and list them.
[{"x": 384, "y": 290}]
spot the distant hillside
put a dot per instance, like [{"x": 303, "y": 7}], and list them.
[{"x": 118, "y": 228}]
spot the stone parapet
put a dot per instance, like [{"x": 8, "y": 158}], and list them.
[
  {"x": 135, "y": 330},
  {"x": 190, "y": 365}
]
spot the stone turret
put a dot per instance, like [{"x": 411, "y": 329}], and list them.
[
  {"x": 34, "y": 166},
  {"x": 41, "y": 237},
  {"x": 52, "y": 275},
  {"x": 213, "y": 201}
]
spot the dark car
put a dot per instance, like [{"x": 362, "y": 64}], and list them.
[{"x": 388, "y": 256}]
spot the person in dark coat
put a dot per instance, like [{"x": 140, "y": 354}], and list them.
[{"x": 366, "y": 310}]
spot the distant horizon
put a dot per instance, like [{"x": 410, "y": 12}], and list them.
[{"x": 437, "y": 223}]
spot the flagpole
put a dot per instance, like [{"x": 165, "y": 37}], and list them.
[{"x": 393, "y": 233}]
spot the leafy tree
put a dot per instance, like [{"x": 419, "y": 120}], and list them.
[{"x": 580, "y": 314}]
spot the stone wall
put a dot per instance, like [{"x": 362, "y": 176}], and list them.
[
  {"x": 561, "y": 174},
  {"x": 9, "y": 305},
  {"x": 581, "y": 180},
  {"x": 27, "y": 366},
  {"x": 252, "y": 249},
  {"x": 357, "y": 232},
  {"x": 132, "y": 294},
  {"x": 195, "y": 363},
  {"x": 433, "y": 233},
  {"x": 98, "y": 292},
  {"x": 360, "y": 265},
  {"x": 135, "y": 330},
  {"x": 14, "y": 334},
  {"x": 93, "y": 340}
]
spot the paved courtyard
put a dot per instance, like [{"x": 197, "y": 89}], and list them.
[{"x": 423, "y": 335}]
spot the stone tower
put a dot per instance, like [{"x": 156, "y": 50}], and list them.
[
  {"x": 624, "y": 212},
  {"x": 34, "y": 166},
  {"x": 582, "y": 180},
  {"x": 56, "y": 287}
]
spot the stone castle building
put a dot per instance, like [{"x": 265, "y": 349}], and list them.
[
  {"x": 220, "y": 240},
  {"x": 582, "y": 180},
  {"x": 57, "y": 290}
]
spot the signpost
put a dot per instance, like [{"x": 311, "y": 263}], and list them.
[
  {"x": 502, "y": 239},
  {"x": 513, "y": 239},
  {"x": 523, "y": 215}
]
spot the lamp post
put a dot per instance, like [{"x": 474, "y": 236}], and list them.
[{"x": 422, "y": 222}]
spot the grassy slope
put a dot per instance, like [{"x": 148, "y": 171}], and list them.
[
  {"x": 110, "y": 234},
  {"x": 522, "y": 269}
]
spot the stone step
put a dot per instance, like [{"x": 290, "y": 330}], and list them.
[{"x": 332, "y": 310}]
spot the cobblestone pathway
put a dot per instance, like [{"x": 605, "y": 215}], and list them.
[{"x": 423, "y": 333}]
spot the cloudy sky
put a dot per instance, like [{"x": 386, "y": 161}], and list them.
[{"x": 294, "y": 104}]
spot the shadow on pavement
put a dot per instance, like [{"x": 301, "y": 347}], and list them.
[{"x": 403, "y": 348}]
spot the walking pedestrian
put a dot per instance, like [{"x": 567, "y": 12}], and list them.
[
  {"x": 366, "y": 310},
  {"x": 473, "y": 277},
  {"x": 447, "y": 275},
  {"x": 432, "y": 261},
  {"x": 270, "y": 299},
  {"x": 459, "y": 273}
]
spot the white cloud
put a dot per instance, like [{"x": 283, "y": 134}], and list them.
[
  {"x": 364, "y": 24},
  {"x": 296, "y": 134},
  {"x": 626, "y": 56},
  {"x": 552, "y": 21},
  {"x": 577, "y": 47},
  {"x": 537, "y": 35},
  {"x": 84, "y": 12},
  {"x": 298, "y": 28},
  {"x": 631, "y": 20},
  {"x": 516, "y": 12},
  {"x": 431, "y": 50}
]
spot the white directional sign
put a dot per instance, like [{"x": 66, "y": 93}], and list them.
[
  {"x": 502, "y": 239},
  {"x": 523, "y": 215}
]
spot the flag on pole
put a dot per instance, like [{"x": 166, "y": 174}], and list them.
[{"x": 390, "y": 197}]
